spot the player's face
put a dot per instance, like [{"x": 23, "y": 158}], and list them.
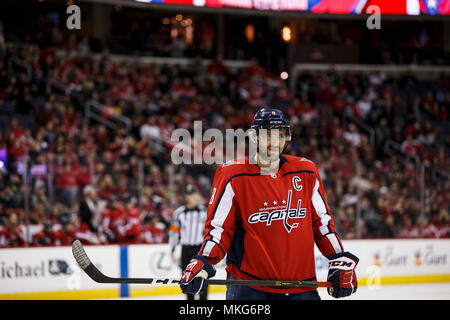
[{"x": 271, "y": 143}]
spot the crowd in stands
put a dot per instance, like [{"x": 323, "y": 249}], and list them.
[
  {"x": 84, "y": 178},
  {"x": 398, "y": 111}
]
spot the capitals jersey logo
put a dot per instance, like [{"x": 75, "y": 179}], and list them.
[{"x": 282, "y": 213}]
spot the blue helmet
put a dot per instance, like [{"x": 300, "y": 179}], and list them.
[{"x": 267, "y": 118}]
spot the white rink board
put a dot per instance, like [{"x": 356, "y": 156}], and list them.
[
  {"x": 154, "y": 261},
  {"x": 401, "y": 257},
  {"x": 53, "y": 269}
]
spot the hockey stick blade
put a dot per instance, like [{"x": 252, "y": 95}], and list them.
[{"x": 91, "y": 270}]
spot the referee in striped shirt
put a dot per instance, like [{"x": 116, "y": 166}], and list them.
[{"x": 188, "y": 228}]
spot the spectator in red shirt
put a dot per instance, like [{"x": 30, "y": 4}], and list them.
[
  {"x": 81, "y": 230},
  {"x": 408, "y": 230},
  {"x": 111, "y": 219},
  {"x": 439, "y": 225},
  {"x": 102, "y": 137},
  {"x": 67, "y": 184},
  {"x": 107, "y": 187},
  {"x": 152, "y": 232},
  {"x": 132, "y": 228},
  {"x": 15, "y": 131},
  {"x": 65, "y": 235},
  {"x": 83, "y": 176},
  {"x": 14, "y": 234},
  {"x": 46, "y": 237}
]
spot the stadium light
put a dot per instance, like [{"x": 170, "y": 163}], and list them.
[
  {"x": 286, "y": 34},
  {"x": 250, "y": 33}
]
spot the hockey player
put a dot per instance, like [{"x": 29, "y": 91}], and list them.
[{"x": 266, "y": 212}]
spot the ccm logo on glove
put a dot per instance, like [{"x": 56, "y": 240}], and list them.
[
  {"x": 350, "y": 264},
  {"x": 341, "y": 273}
]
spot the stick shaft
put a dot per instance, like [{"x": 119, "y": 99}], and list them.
[
  {"x": 91, "y": 270},
  {"x": 270, "y": 283}
]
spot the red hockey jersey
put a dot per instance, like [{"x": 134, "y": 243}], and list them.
[{"x": 267, "y": 224}]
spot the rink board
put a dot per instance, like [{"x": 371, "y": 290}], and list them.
[{"x": 52, "y": 273}]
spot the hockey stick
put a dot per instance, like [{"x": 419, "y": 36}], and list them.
[{"x": 91, "y": 270}]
